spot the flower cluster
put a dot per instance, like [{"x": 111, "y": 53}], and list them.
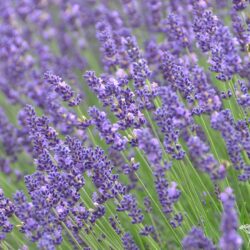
[
  {"x": 236, "y": 136},
  {"x": 6, "y": 210},
  {"x": 197, "y": 240},
  {"x": 230, "y": 239}
]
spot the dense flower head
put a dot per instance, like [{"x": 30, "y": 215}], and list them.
[
  {"x": 230, "y": 239},
  {"x": 130, "y": 7},
  {"x": 223, "y": 121},
  {"x": 172, "y": 118},
  {"x": 241, "y": 32},
  {"x": 107, "y": 130},
  {"x": 129, "y": 204},
  {"x": 154, "y": 8},
  {"x": 119, "y": 98},
  {"x": 149, "y": 145},
  {"x": 128, "y": 242},
  {"x": 199, "y": 151},
  {"x": 205, "y": 27},
  {"x": 108, "y": 46},
  {"x": 8, "y": 136},
  {"x": 239, "y": 4},
  {"x": 175, "y": 32},
  {"x": 197, "y": 240},
  {"x": 63, "y": 89},
  {"x": 6, "y": 211},
  {"x": 132, "y": 48},
  {"x": 242, "y": 94},
  {"x": 224, "y": 60}
]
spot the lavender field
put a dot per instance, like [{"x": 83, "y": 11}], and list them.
[{"x": 124, "y": 124}]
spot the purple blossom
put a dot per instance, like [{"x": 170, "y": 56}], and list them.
[
  {"x": 114, "y": 224},
  {"x": 133, "y": 15},
  {"x": 243, "y": 98},
  {"x": 144, "y": 90},
  {"x": 213, "y": 36},
  {"x": 205, "y": 27},
  {"x": 147, "y": 230},
  {"x": 225, "y": 59},
  {"x": 172, "y": 118},
  {"x": 9, "y": 137},
  {"x": 207, "y": 98},
  {"x": 224, "y": 122},
  {"x": 230, "y": 239},
  {"x": 168, "y": 194},
  {"x": 200, "y": 154},
  {"x": 175, "y": 32},
  {"x": 177, "y": 75},
  {"x": 128, "y": 242},
  {"x": 6, "y": 210},
  {"x": 121, "y": 100},
  {"x": 108, "y": 46},
  {"x": 149, "y": 145},
  {"x": 107, "y": 130},
  {"x": 239, "y": 4},
  {"x": 241, "y": 32},
  {"x": 129, "y": 204},
  {"x": 197, "y": 240},
  {"x": 63, "y": 89},
  {"x": 147, "y": 204},
  {"x": 154, "y": 9},
  {"x": 132, "y": 49}
]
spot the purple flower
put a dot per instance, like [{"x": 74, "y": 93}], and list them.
[
  {"x": 133, "y": 15},
  {"x": 9, "y": 137},
  {"x": 175, "y": 32},
  {"x": 213, "y": 36},
  {"x": 149, "y": 145},
  {"x": 63, "y": 89},
  {"x": 197, "y": 240},
  {"x": 243, "y": 98},
  {"x": 129, "y": 204},
  {"x": 167, "y": 194},
  {"x": 114, "y": 224},
  {"x": 239, "y": 4},
  {"x": 6, "y": 210},
  {"x": 230, "y": 239},
  {"x": 154, "y": 14},
  {"x": 121, "y": 100},
  {"x": 128, "y": 242},
  {"x": 204, "y": 160},
  {"x": 172, "y": 118},
  {"x": 205, "y": 27},
  {"x": 225, "y": 59},
  {"x": 132, "y": 49},
  {"x": 144, "y": 90},
  {"x": 241, "y": 32},
  {"x": 147, "y": 204},
  {"x": 5, "y": 166},
  {"x": 108, "y": 46},
  {"x": 147, "y": 230},
  {"x": 107, "y": 130},
  {"x": 207, "y": 98},
  {"x": 234, "y": 138},
  {"x": 176, "y": 74}
]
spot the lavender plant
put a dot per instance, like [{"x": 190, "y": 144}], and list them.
[{"x": 124, "y": 124}]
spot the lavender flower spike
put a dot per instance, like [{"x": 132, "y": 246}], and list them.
[
  {"x": 230, "y": 240},
  {"x": 197, "y": 240}
]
